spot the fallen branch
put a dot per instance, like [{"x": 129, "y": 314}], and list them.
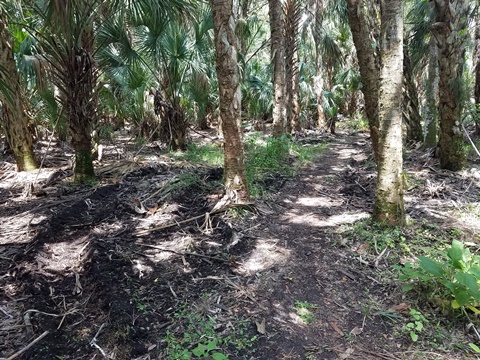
[
  {"x": 148, "y": 231},
  {"x": 186, "y": 253},
  {"x": 94, "y": 342},
  {"x": 20, "y": 352}
]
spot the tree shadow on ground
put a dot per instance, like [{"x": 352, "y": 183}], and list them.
[{"x": 98, "y": 286}]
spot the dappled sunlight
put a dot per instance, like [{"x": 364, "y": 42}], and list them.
[
  {"x": 66, "y": 256},
  {"x": 315, "y": 201},
  {"x": 316, "y": 220},
  {"x": 164, "y": 250},
  {"x": 16, "y": 230},
  {"x": 266, "y": 254}
]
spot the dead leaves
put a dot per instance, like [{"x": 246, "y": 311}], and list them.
[
  {"x": 261, "y": 327},
  {"x": 139, "y": 208}
]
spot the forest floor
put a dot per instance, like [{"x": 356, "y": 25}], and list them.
[{"x": 138, "y": 267}]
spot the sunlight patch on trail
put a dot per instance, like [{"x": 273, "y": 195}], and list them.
[
  {"x": 64, "y": 256},
  {"x": 316, "y": 220},
  {"x": 266, "y": 254},
  {"x": 315, "y": 201}
]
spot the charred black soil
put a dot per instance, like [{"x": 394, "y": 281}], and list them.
[{"x": 129, "y": 268}]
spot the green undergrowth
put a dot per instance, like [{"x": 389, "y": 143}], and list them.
[
  {"x": 198, "y": 335},
  {"x": 267, "y": 159},
  {"x": 438, "y": 270},
  {"x": 210, "y": 154},
  {"x": 418, "y": 238}
]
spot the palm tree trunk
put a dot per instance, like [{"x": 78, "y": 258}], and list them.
[
  {"x": 389, "y": 206},
  {"x": 81, "y": 108},
  {"x": 431, "y": 95},
  {"x": 277, "y": 24},
  {"x": 226, "y": 44},
  {"x": 295, "y": 100},
  {"x": 450, "y": 32},
  {"x": 14, "y": 120},
  {"x": 318, "y": 79},
  {"x": 363, "y": 24},
  {"x": 411, "y": 114},
  {"x": 292, "y": 18},
  {"x": 477, "y": 72}
]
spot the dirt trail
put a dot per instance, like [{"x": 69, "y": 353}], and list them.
[
  {"x": 308, "y": 291},
  {"x": 305, "y": 259}
]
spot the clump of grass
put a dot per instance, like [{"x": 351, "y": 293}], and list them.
[
  {"x": 265, "y": 156},
  {"x": 305, "y": 310},
  {"x": 270, "y": 156},
  {"x": 211, "y": 154}
]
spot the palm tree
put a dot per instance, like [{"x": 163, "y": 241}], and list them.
[
  {"x": 67, "y": 40},
  {"x": 422, "y": 49},
  {"x": 389, "y": 206},
  {"x": 293, "y": 11},
  {"x": 363, "y": 24},
  {"x": 13, "y": 118},
  {"x": 450, "y": 32},
  {"x": 477, "y": 70},
  {"x": 277, "y": 38},
  {"x": 318, "y": 9},
  {"x": 226, "y": 48}
]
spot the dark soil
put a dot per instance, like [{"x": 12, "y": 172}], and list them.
[{"x": 83, "y": 264}]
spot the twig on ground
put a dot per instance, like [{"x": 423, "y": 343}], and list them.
[
  {"x": 420, "y": 352},
  {"x": 385, "y": 356},
  {"x": 94, "y": 342},
  {"x": 377, "y": 260},
  {"x": 470, "y": 325},
  {"x": 184, "y": 253},
  {"x": 28, "y": 322},
  {"x": 6, "y": 313},
  {"x": 20, "y": 352}
]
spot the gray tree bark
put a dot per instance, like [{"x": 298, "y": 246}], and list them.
[{"x": 389, "y": 205}]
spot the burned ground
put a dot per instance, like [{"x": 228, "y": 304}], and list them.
[{"x": 118, "y": 270}]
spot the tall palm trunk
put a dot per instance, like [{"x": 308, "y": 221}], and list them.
[
  {"x": 13, "y": 117},
  {"x": 411, "y": 114},
  {"x": 389, "y": 206},
  {"x": 277, "y": 25},
  {"x": 431, "y": 95},
  {"x": 319, "y": 83},
  {"x": 292, "y": 20},
  {"x": 295, "y": 100},
  {"x": 81, "y": 107},
  {"x": 226, "y": 47},
  {"x": 364, "y": 24},
  {"x": 451, "y": 33},
  {"x": 477, "y": 70}
]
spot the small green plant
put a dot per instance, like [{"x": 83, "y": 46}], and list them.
[
  {"x": 415, "y": 325},
  {"x": 304, "y": 311},
  {"x": 197, "y": 337},
  {"x": 456, "y": 278},
  {"x": 206, "y": 351}
]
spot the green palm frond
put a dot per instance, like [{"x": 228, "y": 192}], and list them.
[{"x": 419, "y": 21}]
